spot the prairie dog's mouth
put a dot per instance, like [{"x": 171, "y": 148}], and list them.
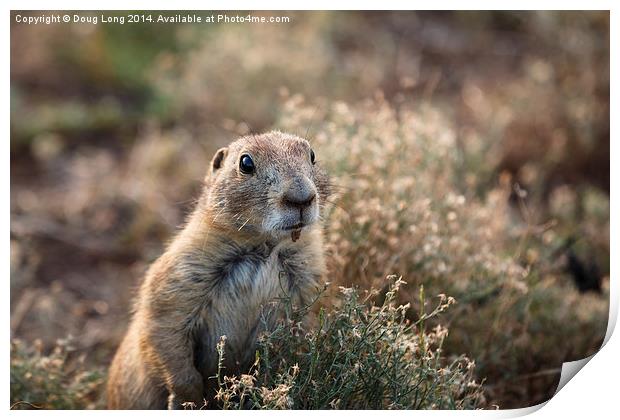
[
  {"x": 295, "y": 230},
  {"x": 296, "y": 226}
]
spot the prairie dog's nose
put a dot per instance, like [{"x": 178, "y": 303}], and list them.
[
  {"x": 298, "y": 201},
  {"x": 300, "y": 194}
]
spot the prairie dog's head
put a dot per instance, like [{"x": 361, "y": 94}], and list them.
[{"x": 268, "y": 184}]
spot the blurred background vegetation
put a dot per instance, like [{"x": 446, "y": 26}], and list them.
[{"x": 472, "y": 151}]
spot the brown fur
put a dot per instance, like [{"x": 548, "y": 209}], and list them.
[{"x": 235, "y": 255}]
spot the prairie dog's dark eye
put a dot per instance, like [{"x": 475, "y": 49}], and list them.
[
  {"x": 246, "y": 164},
  {"x": 312, "y": 158}
]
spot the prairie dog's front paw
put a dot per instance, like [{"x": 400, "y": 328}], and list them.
[{"x": 186, "y": 396}]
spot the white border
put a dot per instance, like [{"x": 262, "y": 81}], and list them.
[
  {"x": 593, "y": 393},
  {"x": 313, "y": 5}
]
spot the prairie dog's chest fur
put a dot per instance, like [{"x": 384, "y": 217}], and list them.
[
  {"x": 249, "y": 281},
  {"x": 243, "y": 285}
]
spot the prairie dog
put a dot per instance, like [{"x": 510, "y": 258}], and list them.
[{"x": 254, "y": 235}]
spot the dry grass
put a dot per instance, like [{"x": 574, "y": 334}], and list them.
[
  {"x": 58, "y": 380},
  {"x": 406, "y": 207}
]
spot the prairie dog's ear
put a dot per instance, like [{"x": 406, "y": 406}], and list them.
[{"x": 217, "y": 161}]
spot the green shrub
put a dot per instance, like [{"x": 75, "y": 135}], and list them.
[{"x": 361, "y": 355}]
